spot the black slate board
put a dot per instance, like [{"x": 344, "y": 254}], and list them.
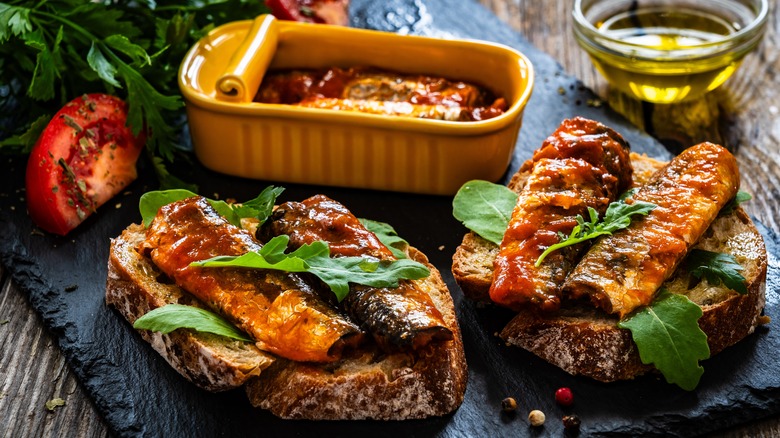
[{"x": 139, "y": 395}]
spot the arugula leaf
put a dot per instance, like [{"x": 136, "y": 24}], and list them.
[
  {"x": 617, "y": 217},
  {"x": 150, "y": 202},
  {"x": 388, "y": 236},
  {"x": 716, "y": 267},
  {"x": 732, "y": 205},
  {"x": 259, "y": 207},
  {"x": 315, "y": 258},
  {"x": 485, "y": 208},
  {"x": 667, "y": 334},
  {"x": 170, "y": 317}
]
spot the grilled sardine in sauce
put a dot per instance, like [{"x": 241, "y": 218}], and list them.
[
  {"x": 582, "y": 164},
  {"x": 373, "y": 91},
  {"x": 399, "y": 318},
  {"x": 623, "y": 271},
  {"x": 278, "y": 310}
]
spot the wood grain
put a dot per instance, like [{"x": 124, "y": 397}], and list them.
[
  {"x": 33, "y": 373},
  {"x": 742, "y": 115}
]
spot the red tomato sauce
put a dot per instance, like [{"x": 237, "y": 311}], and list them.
[{"x": 374, "y": 91}]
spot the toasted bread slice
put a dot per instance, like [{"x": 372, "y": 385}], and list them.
[
  {"x": 373, "y": 385},
  {"x": 135, "y": 286},
  {"x": 582, "y": 340},
  {"x": 367, "y": 385}
]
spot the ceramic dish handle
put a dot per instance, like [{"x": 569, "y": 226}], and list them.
[{"x": 248, "y": 64}]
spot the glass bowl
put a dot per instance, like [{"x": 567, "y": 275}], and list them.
[{"x": 666, "y": 51}]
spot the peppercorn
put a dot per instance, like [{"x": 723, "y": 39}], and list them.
[
  {"x": 564, "y": 396},
  {"x": 536, "y": 418},
  {"x": 508, "y": 404},
  {"x": 571, "y": 423}
]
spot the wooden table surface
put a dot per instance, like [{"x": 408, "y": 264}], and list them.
[{"x": 743, "y": 115}]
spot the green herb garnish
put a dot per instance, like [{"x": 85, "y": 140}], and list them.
[
  {"x": 617, "y": 217},
  {"x": 716, "y": 267},
  {"x": 170, "y": 317},
  {"x": 53, "y": 51},
  {"x": 485, "y": 208},
  {"x": 259, "y": 208},
  {"x": 315, "y": 258},
  {"x": 732, "y": 205},
  {"x": 387, "y": 235},
  {"x": 667, "y": 334}
]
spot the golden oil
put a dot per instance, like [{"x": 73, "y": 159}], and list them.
[{"x": 664, "y": 53}]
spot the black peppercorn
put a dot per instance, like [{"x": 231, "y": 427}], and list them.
[{"x": 571, "y": 423}]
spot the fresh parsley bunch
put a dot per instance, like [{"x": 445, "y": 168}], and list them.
[{"x": 52, "y": 51}]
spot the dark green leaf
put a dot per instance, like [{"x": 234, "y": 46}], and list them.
[
  {"x": 619, "y": 214},
  {"x": 25, "y": 141},
  {"x": 485, "y": 208},
  {"x": 260, "y": 207},
  {"x": 716, "y": 267},
  {"x": 171, "y": 317},
  {"x": 100, "y": 65},
  {"x": 338, "y": 272},
  {"x": 150, "y": 202},
  {"x": 145, "y": 106},
  {"x": 667, "y": 334},
  {"x": 732, "y": 205},
  {"x": 387, "y": 235},
  {"x": 14, "y": 21},
  {"x": 134, "y": 51}
]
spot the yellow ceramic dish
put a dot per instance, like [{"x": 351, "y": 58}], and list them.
[{"x": 234, "y": 135}]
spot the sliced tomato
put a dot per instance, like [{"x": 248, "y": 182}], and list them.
[
  {"x": 311, "y": 11},
  {"x": 84, "y": 157}
]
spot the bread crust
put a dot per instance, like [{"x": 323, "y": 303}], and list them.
[
  {"x": 373, "y": 386},
  {"x": 211, "y": 362},
  {"x": 369, "y": 385},
  {"x": 584, "y": 341}
]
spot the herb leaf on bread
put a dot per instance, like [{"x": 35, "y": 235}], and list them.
[
  {"x": 716, "y": 267},
  {"x": 260, "y": 207},
  {"x": 388, "y": 236},
  {"x": 484, "y": 208},
  {"x": 734, "y": 203},
  {"x": 667, "y": 334},
  {"x": 617, "y": 217},
  {"x": 336, "y": 272},
  {"x": 170, "y": 317}
]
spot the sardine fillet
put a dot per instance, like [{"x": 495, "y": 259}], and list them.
[
  {"x": 582, "y": 164},
  {"x": 623, "y": 271},
  {"x": 278, "y": 310},
  {"x": 397, "y": 318}
]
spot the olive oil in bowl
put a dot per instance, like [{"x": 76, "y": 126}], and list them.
[{"x": 668, "y": 51}]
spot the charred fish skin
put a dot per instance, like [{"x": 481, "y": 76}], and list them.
[
  {"x": 399, "y": 318},
  {"x": 582, "y": 164},
  {"x": 623, "y": 271},
  {"x": 278, "y": 310}
]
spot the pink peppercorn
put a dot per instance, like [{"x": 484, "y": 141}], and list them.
[{"x": 564, "y": 396}]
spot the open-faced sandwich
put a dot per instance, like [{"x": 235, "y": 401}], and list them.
[
  {"x": 615, "y": 263},
  {"x": 318, "y": 316}
]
